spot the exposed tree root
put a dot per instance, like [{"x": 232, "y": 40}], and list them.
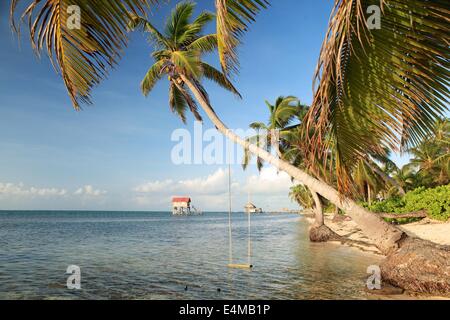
[{"x": 418, "y": 266}]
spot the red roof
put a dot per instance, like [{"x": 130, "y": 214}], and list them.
[{"x": 181, "y": 199}]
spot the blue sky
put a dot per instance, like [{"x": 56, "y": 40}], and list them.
[{"x": 116, "y": 154}]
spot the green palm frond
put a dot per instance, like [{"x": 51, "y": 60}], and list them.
[
  {"x": 179, "y": 52},
  {"x": 219, "y": 78},
  {"x": 261, "y": 141},
  {"x": 284, "y": 111},
  {"x": 151, "y": 78},
  {"x": 190, "y": 102},
  {"x": 258, "y": 126},
  {"x": 177, "y": 23},
  {"x": 385, "y": 86},
  {"x": 443, "y": 159},
  {"x": 177, "y": 102},
  {"x": 204, "y": 44},
  {"x": 141, "y": 23},
  {"x": 302, "y": 196},
  {"x": 188, "y": 61},
  {"x": 82, "y": 56},
  {"x": 195, "y": 28},
  {"x": 233, "y": 19}
]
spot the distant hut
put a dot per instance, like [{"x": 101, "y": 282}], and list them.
[
  {"x": 181, "y": 205},
  {"x": 251, "y": 208}
]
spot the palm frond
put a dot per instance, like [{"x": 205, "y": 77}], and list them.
[
  {"x": 188, "y": 61},
  {"x": 284, "y": 111},
  {"x": 177, "y": 102},
  {"x": 194, "y": 29},
  {"x": 178, "y": 21},
  {"x": 204, "y": 44},
  {"x": 83, "y": 56},
  {"x": 385, "y": 86},
  {"x": 141, "y": 23},
  {"x": 258, "y": 126},
  {"x": 190, "y": 102},
  {"x": 233, "y": 19},
  {"x": 153, "y": 75},
  {"x": 259, "y": 140},
  {"x": 219, "y": 78}
]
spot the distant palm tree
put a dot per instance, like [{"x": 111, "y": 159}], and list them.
[
  {"x": 431, "y": 157},
  {"x": 406, "y": 177},
  {"x": 378, "y": 159},
  {"x": 302, "y": 196},
  {"x": 285, "y": 118},
  {"x": 365, "y": 181},
  {"x": 282, "y": 116}
]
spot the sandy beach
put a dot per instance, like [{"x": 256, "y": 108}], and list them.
[
  {"x": 434, "y": 231},
  {"x": 437, "y": 232}
]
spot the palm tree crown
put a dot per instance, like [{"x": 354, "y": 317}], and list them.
[{"x": 178, "y": 51}]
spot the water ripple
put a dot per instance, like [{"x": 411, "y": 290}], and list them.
[{"x": 135, "y": 255}]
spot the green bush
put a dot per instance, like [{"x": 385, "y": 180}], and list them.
[{"x": 435, "y": 201}]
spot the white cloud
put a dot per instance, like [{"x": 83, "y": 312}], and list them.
[
  {"x": 89, "y": 191},
  {"x": 269, "y": 181},
  {"x": 269, "y": 189},
  {"x": 215, "y": 183},
  {"x": 20, "y": 190},
  {"x": 154, "y": 186}
]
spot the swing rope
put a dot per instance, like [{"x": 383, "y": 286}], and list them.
[
  {"x": 249, "y": 244},
  {"x": 230, "y": 242}
]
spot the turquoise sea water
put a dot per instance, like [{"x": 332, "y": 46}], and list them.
[{"x": 147, "y": 255}]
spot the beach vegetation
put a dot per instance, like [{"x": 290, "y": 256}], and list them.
[{"x": 434, "y": 201}]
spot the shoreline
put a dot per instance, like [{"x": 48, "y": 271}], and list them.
[{"x": 434, "y": 231}]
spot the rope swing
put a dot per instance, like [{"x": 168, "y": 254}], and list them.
[{"x": 248, "y": 265}]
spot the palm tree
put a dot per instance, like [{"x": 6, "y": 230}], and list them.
[
  {"x": 387, "y": 237},
  {"x": 333, "y": 110},
  {"x": 406, "y": 177},
  {"x": 383, "y": 86},
  {"x": 430, "y": 158},
  {"x": 282, "y": 114},
  {"x": 285, "y": 117},
  {"x": 302, "y": 196},
  {"x": 366, "y": 181},
  {"x": 84, "y": 56},
  {"x": 179, "y": 49},
  {"x": 424, "y": 157}
]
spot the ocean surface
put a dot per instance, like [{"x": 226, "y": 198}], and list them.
[{"x": 147, "y": 255}]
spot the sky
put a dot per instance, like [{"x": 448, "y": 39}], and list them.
[{"x": 118, "y": 153}]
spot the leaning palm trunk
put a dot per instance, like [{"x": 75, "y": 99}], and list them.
[
  {"x": 385, "y": 236},
  {"x": 411, "y": 264}
]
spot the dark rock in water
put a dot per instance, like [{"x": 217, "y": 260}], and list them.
[
  {"x": 218, "y": 290},
  {"x": 322, "y": 234},
  {"x": 386, "y": 290},
  {"x": 57, "y": 285}
]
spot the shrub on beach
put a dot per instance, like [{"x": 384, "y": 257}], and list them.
[{"x": 436, "y": 202}]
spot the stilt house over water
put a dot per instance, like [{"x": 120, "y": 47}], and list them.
[{"x": 181, "y": 205}]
